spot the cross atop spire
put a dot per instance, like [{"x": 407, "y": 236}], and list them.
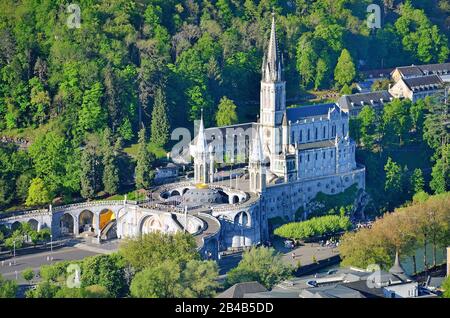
[{"x": 272, "y": 64}]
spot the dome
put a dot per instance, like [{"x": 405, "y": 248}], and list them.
[{"x": 203, "y": 196}]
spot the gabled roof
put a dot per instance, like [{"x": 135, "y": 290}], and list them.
[
  {"x": 407, "y": 71},
  {"x": 442, "y": 68},
  {"x": 364, "y": 99},
  {"x": 238, "y": 290},
  {"x": 302, "y": 112},
  {"x": 424, "y": 83}
]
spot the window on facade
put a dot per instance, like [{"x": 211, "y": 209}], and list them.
[
  {"x": 301, "y": 135},
  {"x": 343, "y": 129},
  {"x": 301, "y": 157},
  {"x": 308, "y": 158},
  {"x": 309, "y": 134},
  {"x": 323, "y": 154},
  {"x": 316, "y": 134},
  {"x": 324, "y": 132},
  {"x": 316, "y": 156},
  {"x": 292, "y": 137},
  {"x": 333, "y": 131},
  {"x": 331, "y": 154}
]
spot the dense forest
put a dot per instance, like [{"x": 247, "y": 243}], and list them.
[{"x": 134, "y": 70}]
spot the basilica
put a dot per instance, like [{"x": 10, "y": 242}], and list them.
[
  {"x": 286, "y": 158},
  {"x": 291, "y": 154}
]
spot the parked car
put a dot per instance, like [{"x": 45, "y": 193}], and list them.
[{"x": 289, "y": 243}]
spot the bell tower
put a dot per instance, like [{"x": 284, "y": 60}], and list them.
[{"x": 272, "y": 96}]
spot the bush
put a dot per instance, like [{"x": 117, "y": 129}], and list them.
[{"x": 314, "y": 227}]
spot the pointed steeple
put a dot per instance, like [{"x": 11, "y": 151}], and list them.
[
  {"x": 256, "y": 154},
  {"x": 201, "y": 138},
  {"x": 285, "y": 121},
  {"x": 397, "y": 268},
  {"x": 272, "y": 64}
]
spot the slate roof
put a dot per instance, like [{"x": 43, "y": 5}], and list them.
[
  {"x": 408, "y": 71},
  {"x": 442, "y": 68},
  {"x": 424, "y": 83},
  {"x": 240, "y": 289},
  {"x": 333, "y": 291},
  {"x": 427, "y": 69},
  {"x": 360, "y": 100},
  {"x": 297, "y": 113},
  {"x": 316, "y": 145}
]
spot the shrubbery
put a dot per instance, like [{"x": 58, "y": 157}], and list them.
[{"x": 314, "y": 227}]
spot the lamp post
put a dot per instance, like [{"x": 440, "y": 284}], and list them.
[{"x": 14, "y": 252}]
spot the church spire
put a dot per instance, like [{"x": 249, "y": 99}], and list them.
[
  {"x": 201, "y": 139},
  {"x": 256, "y": 154},
  {"x": 272, "y": 62}
]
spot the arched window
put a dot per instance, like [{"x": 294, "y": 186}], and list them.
[{"x": 242, "y": 219}]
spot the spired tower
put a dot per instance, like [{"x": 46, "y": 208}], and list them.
[
  {"x": 256, "y": 166},
  {"x": 203, "y": 160},
  {"x": 273, "y": 97}
]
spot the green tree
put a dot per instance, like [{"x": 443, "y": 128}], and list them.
[
  {"x": 154, "y": 248},
  {"x": 345, "y": 71},
  {"x": 91, "y": 116},
  {"x": 160, "y": 122},
  {"x": 28, "y": 274},
  {"x": 393, "y": 183},
  {"x": 38, "y": 194},
  {"x": 263, "y": 265},
  {"x": 44, "y": 289},
  {"x": 199, "y": 279},
  {"x": 15, "y": 240},
  {"x": 159, "y": 281},
  {"x": 417, "y": 181},
  {"x": 226, "y": 113},
  {"x": 110, "y": 168},
  {"x": 105, "y": 270},
  {"x": 446, "y": 287},
  {"x": 88, "y": 176},
  {"x": 368, "y": 125},
  {"x": 144, "y": 174},
  {"x": 8, "y": 288},
  {"x": 440, "y": 174}
]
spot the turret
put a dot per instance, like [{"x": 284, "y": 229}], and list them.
[
  {"x": 256, "y": 165},
  {"x": 285, "y": 133},
  {"x": 201, "y": 158}
]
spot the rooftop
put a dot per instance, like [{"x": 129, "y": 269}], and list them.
[
  {"x": 298, "y": 113},
  {"x": 240, "y": 289},
  {"x": 429, "y": 82},
  {"x": 362, "y": 99}
]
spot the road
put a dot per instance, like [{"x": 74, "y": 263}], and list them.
[{"x": 35, "y": 261}]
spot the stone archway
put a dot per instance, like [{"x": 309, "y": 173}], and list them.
[
  {"x": 234, "y": 199},
  {"x": 66, "y": 224},
  {"x": 86, "y": 221},
  {"x": 34, "y": 224},
  {"x": 16, "y": 226},
  {"x": 151, "y": 224},
  {"x": 242, "y": 219},
  {"x": 106, "y": 216},
  {"x": 175, "y": 193}
]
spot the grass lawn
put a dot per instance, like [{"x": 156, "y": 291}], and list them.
[{"x": 132, "y": 150}]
